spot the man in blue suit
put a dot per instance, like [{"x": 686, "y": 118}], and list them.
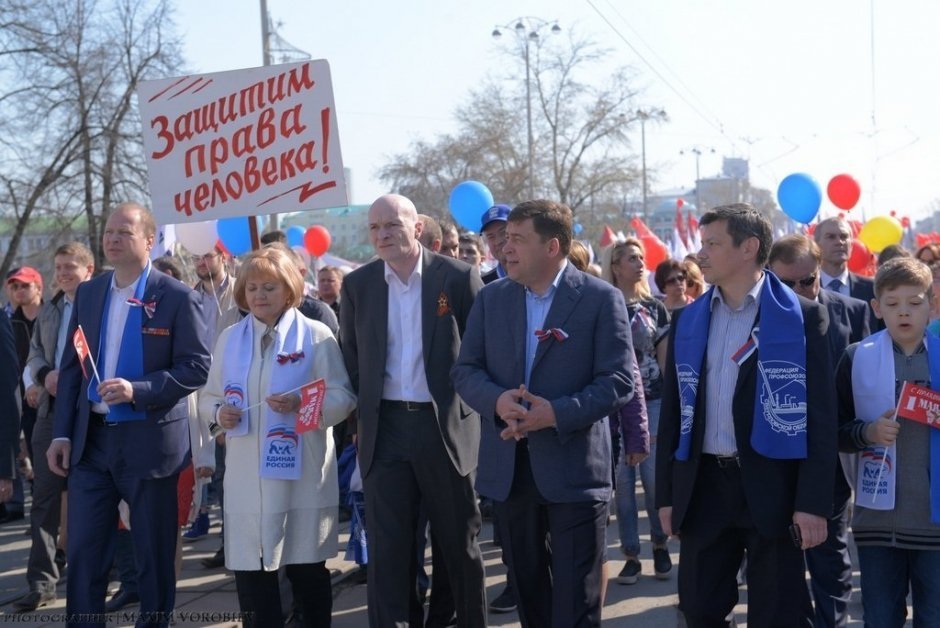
[
  {"x": 123, "y": 432},
  {"x": 796, "y": 260},
  {"x": 545, "y": 358}
]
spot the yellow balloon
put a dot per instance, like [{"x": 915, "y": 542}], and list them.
[{"x": 881, "y": 231}]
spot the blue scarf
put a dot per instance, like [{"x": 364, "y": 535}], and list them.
[
  {"x": 779, "y": 428},
  {"x": 130, "y": 361}
]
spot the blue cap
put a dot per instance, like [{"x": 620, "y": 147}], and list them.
[{"x": 496, "y": 212}]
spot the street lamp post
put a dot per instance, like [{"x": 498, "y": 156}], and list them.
[
  {"x": 643, "y": 115},
  {"x": 527, "y": 30},
  {"x": 697, "y": 151}
]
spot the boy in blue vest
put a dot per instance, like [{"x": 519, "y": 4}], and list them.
[{"x": 896, "y": 520}]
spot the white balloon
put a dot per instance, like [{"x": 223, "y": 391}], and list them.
[{"x": 199, "y": 238}]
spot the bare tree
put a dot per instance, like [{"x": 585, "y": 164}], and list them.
[
  {"x": 69, "y": 131},
  {"x": 582, "y": 152}
]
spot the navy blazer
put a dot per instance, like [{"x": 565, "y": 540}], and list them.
[
  {"x": 848, "y": 321},
  {"x": 863, "y": 288},
  {"x": 773, "y": 488},
  {"x": 585, "y": 377},
  {"x": 176, "y": 363}
]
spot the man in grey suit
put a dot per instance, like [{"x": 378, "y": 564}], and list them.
[
  {"x": 403, "y": 316},
  {"x": 546, "y": 357}
]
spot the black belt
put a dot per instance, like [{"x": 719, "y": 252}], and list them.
[
  {"x": 407, "y": 406},
  {"x": 95, "y": 418},
  {"x": 724, "y": 462}
]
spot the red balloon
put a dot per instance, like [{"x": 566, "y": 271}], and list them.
[
  {"x": 893, "y": 213},
  {"x": 317, "y": 240},
  {"x": 843, "y": 191},
  {"x": 679, "y": 203},
  {"x": 860, "y": 257}
]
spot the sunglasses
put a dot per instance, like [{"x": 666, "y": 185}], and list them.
[
  {"x": 806, "y": 282},
  {"x": 675, "y": 279}
]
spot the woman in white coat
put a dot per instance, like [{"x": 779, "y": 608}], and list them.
[{"x": 281, "y": 492}]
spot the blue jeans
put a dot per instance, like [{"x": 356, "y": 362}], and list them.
[
  {"x": 627, "y": 510},
  {"x": 887, "y": 573}
]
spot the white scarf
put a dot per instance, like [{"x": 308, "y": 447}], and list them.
[
  {"x": 873, "y": 392},
  {"x": 290, "y": 368}
]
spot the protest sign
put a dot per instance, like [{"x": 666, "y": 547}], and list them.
[{"x": 917, "y": 403}]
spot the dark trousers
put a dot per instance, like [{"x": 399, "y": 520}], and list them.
[
  {"x": 411, "y": 467},
  {"x": 554, "y": 553},
  {"x": 716, "y": 533},
  {"x": 830, "y": 567},
  {"x": 42, "y": 573},
  {"x": 259, "y": 595},
  {"x": 96, "y": 485}
]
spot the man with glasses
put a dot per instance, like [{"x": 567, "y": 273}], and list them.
[{"x": 796, "y": 260}]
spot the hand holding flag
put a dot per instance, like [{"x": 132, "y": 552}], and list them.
[
  {"x": 81, "y": 348},
  {"x": 311, "y": 406}
]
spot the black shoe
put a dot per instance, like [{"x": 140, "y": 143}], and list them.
[
  {"x": 216, "y": 560},
  {"x": 121, "y": 599},
  {"x": 505, "y": 602},
  {"x": 33, "y": 600},
  {"x": 630, "y": 572},
  {"x": 662, "y": 563},
  {"x": 9, "y": 516}
]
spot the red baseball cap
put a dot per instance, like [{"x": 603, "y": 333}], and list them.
[{"x": 25, "y": 274}]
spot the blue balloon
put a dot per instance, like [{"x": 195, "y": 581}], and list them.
[
  {"x": 468, "y": 201},
  {"x": 295, "y": 236},
  {"x": 799, "y": 197},
  {"x": 234, "y": 234},
  {"x": 577, "y": 228}
]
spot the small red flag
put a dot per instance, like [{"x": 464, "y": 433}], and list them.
[
  {"x": 920, "y": 404},
  {"x": 311, "y": 406},
  {"x": 81, "y": 348}
]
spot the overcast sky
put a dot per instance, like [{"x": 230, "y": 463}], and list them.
[{"x": 793, "y": 86}]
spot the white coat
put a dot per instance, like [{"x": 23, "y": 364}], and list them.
[{"x": 269, "y": 523}]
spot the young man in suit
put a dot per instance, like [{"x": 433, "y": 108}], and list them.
[
  {"x": 124, "y": 433},
  {"x": 546, "y": 358},
  {"x": 403, "y": 316},
  {"x": 747, "y": 441},
  {"x": 795, "y": 260}
]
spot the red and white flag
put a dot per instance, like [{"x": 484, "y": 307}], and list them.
[
  {"x": 81, "y": 348},
  {"x": 920, "y": 404},
  {"x": 311, "y": 406}
]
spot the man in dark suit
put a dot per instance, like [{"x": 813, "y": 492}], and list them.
[
  {"x": 546, "y": 357},
  {"x": 124, "y": 433},
  {"x": 403, "y": 316},
  {"x": 796, "y": 259},
  {"x": 834, "y": 237},
  {"x": 738, "y": 464},
  {"x": 9, "y": 409}
]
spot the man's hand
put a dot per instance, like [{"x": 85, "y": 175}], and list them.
[
  {"x": 204, "y": 472},
  {"x": 229, "y": 416},
  {"x": 539, "y": 416},
  {"x": 32, "y": 395},
  {"x": 116, "y": 390},
  {"x": 812, "y": 528},
  {"x": 6, "y": 490},
  {"x": 635, "y": 459},
  {"x": 52, "y": 381},
  {"x": 665, "y": 520},
  {"x": 58, "y": 456},
  {"x": 510, "y": 411},
  {"x": 883, "y": 430}
]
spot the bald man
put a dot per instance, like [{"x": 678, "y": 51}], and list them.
[{"x": 403, "y": 316}]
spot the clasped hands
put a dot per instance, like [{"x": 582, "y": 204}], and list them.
[
  {"x": 519, "y": 419},
  {"x": 229, "y": 416}
]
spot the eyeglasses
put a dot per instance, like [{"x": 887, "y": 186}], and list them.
[
  {"x": 675, "y": 279},
  {"x": 806, "y": 282}
]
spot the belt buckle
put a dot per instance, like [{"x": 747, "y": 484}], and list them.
[
  {"x": 727, "y": 461},
  {"x": 412, "y": 406}
]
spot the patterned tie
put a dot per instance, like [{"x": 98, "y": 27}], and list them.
[{"x": 835, "y": 285}]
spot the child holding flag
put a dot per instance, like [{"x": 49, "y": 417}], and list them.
[{"x": 896, "y": 520}]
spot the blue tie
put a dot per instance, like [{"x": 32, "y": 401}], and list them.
[{"x": 835, "y": 285}]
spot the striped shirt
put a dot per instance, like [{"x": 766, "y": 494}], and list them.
[{"x": 728, "y": 330}]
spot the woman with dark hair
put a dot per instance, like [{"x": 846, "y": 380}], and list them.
[
  {"x": 623, "y": 266},
  {"x": 671, "y": 280}
]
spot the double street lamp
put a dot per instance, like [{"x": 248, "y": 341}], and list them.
[
  {"x": 698, "y": 151},
  {"x": 528, "y": 30},
  {"x": 643, "y": 115}
]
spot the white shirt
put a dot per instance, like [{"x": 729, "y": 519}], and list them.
[
  {"x": 405, "y": 379},
  {"x": 117, "y": 318},
  {"x": 825, "y": 280}
]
